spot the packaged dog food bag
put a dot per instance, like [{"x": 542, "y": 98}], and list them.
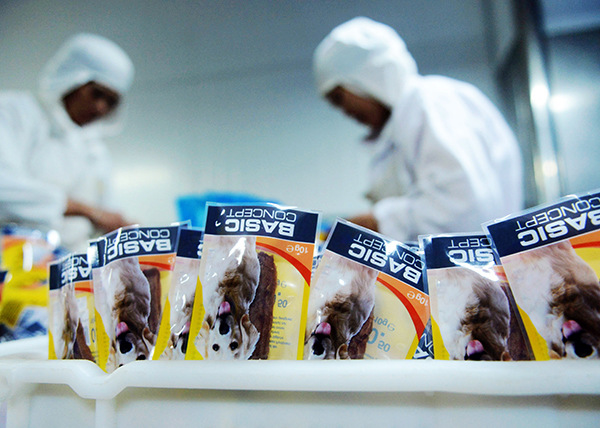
[
  {"x": 71, "y": 324},
  {"x": 255, "y": 272},
  {"x": 184, "y": 281},
  {"x": 473, "y": 314},
  {"x": 367, "y": 298},
  {"x": 132, "y": 270},
  {"x": 25, "y": 254},
  {"x": 551, "y": 256}
]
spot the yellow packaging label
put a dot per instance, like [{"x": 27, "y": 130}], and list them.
[
  {"x": 539, "y": 346},
  {"x": 395, "y": 333},
  {"x": 292, "y": 264},
  {"x": 441, "y": 353},
  {"x": 195, "y": 324},
  {"x": 102, "y": 343},
  {"x": 51, "y": 351}
]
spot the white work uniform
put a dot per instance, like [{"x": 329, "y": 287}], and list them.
[
  {"x": 445, "y": 161},
  {"x": 45, "y": 158}
]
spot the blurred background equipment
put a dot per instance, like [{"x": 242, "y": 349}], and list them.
[{"x": 193, "y": 207}]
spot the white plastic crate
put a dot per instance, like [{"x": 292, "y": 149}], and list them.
[{"x": 41, "y": 393}]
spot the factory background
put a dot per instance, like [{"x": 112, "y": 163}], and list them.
[{"x": 224, "y": 97}]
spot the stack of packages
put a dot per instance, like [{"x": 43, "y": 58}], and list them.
[
  {"x": 526, "y": 288},
  {"x": 236, "y": 290},
  {"x": 128, "y": 298},
  {"x": 252, "y": 285}
]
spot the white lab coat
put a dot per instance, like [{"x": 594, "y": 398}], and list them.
[
  {"x": 446, "y": 161},
  {"x": 43, "y": 164},
  {"x": 45, "y": 158}
]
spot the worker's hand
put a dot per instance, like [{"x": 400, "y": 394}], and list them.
[
  {"x": 104, "y": 220},
  {"x": 107, "y": 221},
  {"x": 365, "y": 220}
]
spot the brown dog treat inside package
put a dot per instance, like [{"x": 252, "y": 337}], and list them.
[
  {"x": 81, "y": 350},
  {"x": 261, "y": 309},
  {"x": 153, "y": 277},
  {"x": 358, "y": 344}
]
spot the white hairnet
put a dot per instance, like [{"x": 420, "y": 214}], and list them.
[
  {"x": 365, "y": 57},
  {"x": 81, "y": 59}
]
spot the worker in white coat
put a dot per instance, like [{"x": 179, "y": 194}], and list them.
[
  {"x": 444, "y": 159},
  {"x": 54, "y": 166}
]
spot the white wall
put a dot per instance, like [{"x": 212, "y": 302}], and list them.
[{"x": 224, "y": 97}]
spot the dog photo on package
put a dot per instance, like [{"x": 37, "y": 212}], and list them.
[
  {"x": 367, "y": 298},
  {"x": 131, "y": 273},
  {"x": 182, "y": 292},
  {"x": 71, "y": 322},
  {"x": 473, "y": 314},
  {"x": 254, "y": 275},
  {"x": 551, "y": 256}
]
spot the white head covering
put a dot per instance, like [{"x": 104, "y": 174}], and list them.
[
  {"x": 81, "y": 59},
  {"x": 365, "y": 57}
]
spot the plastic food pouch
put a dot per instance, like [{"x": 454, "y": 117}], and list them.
[
  {"x": 551, "y": 255},
  {"x": 473, "y": 313},
  {"x": 367, "y": 298},
  {"x": 255, "y": 272},
  {"x": 181, "y": 294},
  {"x": 132, "y": 270},
  {"x": 25, "y": 254},
  {"x": 71, "y": 323}
]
